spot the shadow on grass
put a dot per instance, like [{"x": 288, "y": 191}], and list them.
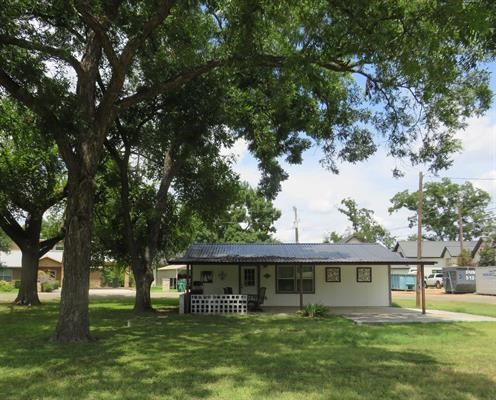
[{"x": 257, "y": 356}]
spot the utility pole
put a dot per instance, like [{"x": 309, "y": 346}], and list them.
[
  {"x": 420, "y": 204},
  {"x": 460, "y": 228},
  {"x": 296, "y": 224}
]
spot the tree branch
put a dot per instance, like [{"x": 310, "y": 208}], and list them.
[
  {"x": 12, "y": 228},
  {"x": 55, "y": 52},
  {"x": 38, "y": 106},
  {"x": 47, "y": 245},
  {"x": 133, "y": 44},
  {"x": 100, "y": 30},
  {"x": 107, "y": 105},
  {"x": 171, "y": 84}
]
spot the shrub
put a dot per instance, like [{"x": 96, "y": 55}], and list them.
[
  {"x": 49, "y": 286},
  {"x": 314, "y": 310},
  {"x": 6, "y": 286}
]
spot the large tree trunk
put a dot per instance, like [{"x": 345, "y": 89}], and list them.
[
  {"x": 28, "y": 292},
  {"x": 73, "y": 323},
  {"x": 143, "y": 277}
]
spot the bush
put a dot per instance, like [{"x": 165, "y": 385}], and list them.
[
  {"x": 49, "y": 286},
  {"x": 17, "y": 284},
  {"x": 314, "y": 310},
  {"x": 6, "y": 286}
]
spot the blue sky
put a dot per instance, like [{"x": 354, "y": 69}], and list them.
[{"x": 317, "y": 193}]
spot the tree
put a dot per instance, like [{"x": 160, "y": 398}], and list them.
[
  {"x": 488, "y": 252},
  {"x": 364, "y": 226},
  {"x": 442, "y": 201},
  {"x": 4, "y": 241},
  {"x": 33, "y": 179},
  {"x": 74, "y": 65},
  {"x": 250, "y": 219}
]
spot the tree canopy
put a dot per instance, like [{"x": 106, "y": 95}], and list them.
[
  {"x": 33, "y": 180},
  {"x": 4, "y": 241},
  {"x": 349, "y": 77},
  {"x": 363, "y": 226},
  {"x": 442, "y": 202},
  {"x": 249, "y": 219}
]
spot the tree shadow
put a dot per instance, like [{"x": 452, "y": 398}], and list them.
[{"x": 259, "y": 356}]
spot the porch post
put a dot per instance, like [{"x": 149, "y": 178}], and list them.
[
  {"x": 301, "y": 286},
  {"x": 423, "y": 287},
  {"x": 188, "y": 288}
]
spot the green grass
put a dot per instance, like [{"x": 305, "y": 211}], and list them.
[
  {"x": 168, "y": 356},
  {"x": 449, "y": 305}
]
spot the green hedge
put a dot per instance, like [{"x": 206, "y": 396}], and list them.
[
  {"x": 50, "y": 286},
  {"x": 6, "y": 286}
]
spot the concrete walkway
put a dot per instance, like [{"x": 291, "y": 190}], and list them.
[{"x": 393, "y": 315}]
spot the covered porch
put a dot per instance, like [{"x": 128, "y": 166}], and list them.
[{"x": 234, "y": 278}]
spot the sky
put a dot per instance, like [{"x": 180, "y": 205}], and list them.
[{"x": 316, "y": 192}]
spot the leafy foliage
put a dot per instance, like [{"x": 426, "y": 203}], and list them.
[
  {"x": 488, "y": 252},
  {"x": 6, "y": 286},
  {"x": 440, "y": 210},
  {"x": 31, "y": 171},
  {"x": 314, "y": 311},
  {"x": 4, "y": 241},
  {"x": 364, "y": 227},
  {"x": 249, "y": 219}
]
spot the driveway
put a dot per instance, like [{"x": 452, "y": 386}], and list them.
[
  {"x": 439, "y": 294},
  {"x": 393, "y": 315}
]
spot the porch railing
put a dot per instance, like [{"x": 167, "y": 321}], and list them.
[{"x": 219, "y": 303}]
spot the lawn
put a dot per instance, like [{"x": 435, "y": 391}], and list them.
[
  {"x": 452, "y": 305},
  {"x": 263, "y": 356}
]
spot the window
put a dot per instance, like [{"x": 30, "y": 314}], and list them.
[
  {"x": 249, "y": 277},
  {"x": 364, "y": 274},
  {"x": 333, "y": 274},
  {"x": 5, "y": 274},
  {"x": 288, "y": 279}
]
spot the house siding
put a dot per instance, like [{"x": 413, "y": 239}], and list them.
[{"x": 348, "y": 292}]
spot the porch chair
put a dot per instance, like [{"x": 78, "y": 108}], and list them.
[
  {"x": 228, "y": 290},
  {"x": 256, "y": 300}
]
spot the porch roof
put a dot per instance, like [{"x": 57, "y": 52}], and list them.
[{"x": 290, "y": 253}]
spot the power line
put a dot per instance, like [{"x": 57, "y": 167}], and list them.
[{"x": 463, "y": 179}]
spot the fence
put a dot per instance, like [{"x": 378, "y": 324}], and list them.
[{"x": 219, "y": 304}]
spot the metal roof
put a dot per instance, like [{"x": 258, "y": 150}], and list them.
[
  {"x": 13, "y": 258},
  {"x": 312, "y": 253},
  {"x": 430, "y": 248}
]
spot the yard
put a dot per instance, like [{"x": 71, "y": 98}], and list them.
[{"x": 253, "y": 357}]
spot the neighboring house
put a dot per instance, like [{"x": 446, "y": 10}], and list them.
[
  {"x": 442, "y": 253},
  {"x": 167, "y": 277},
  {"x": 331, "y": 274},
  {"x": 351, "y": 239},
  {"x": 50, "y": 263}
]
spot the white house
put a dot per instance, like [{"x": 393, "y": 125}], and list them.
[
  {"x": 293, "y": 274},
  {"x": 440, "y": 253},
  {"x": 10, "y": 264}
]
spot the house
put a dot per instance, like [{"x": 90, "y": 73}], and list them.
[
  {"x": 167, "y": 277},
  {"x": 50, "y": 263},
  {"x": 293, "y": 274},
  {"x": 440, "y": 253}
]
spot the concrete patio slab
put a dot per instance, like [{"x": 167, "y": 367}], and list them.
[{"x": 394, "y": 315}]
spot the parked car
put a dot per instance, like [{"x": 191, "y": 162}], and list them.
[{"x": 435, "y": 279}]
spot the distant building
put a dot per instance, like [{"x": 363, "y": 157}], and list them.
[{"x": 443, "y": 253}]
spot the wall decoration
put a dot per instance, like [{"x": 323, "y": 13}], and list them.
[
  {"x": 333, "y": 274},
  {"x": 364, "y": 274},
  {"x": 207, "y": 276},
  {"x": 222, "y": 275},
  {"x": 266, "y": 275}
]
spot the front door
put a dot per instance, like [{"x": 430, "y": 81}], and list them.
[{"x": 248, "y": 279}]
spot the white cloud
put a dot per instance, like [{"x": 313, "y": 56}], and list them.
[{"x": 317, "y": 193}]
